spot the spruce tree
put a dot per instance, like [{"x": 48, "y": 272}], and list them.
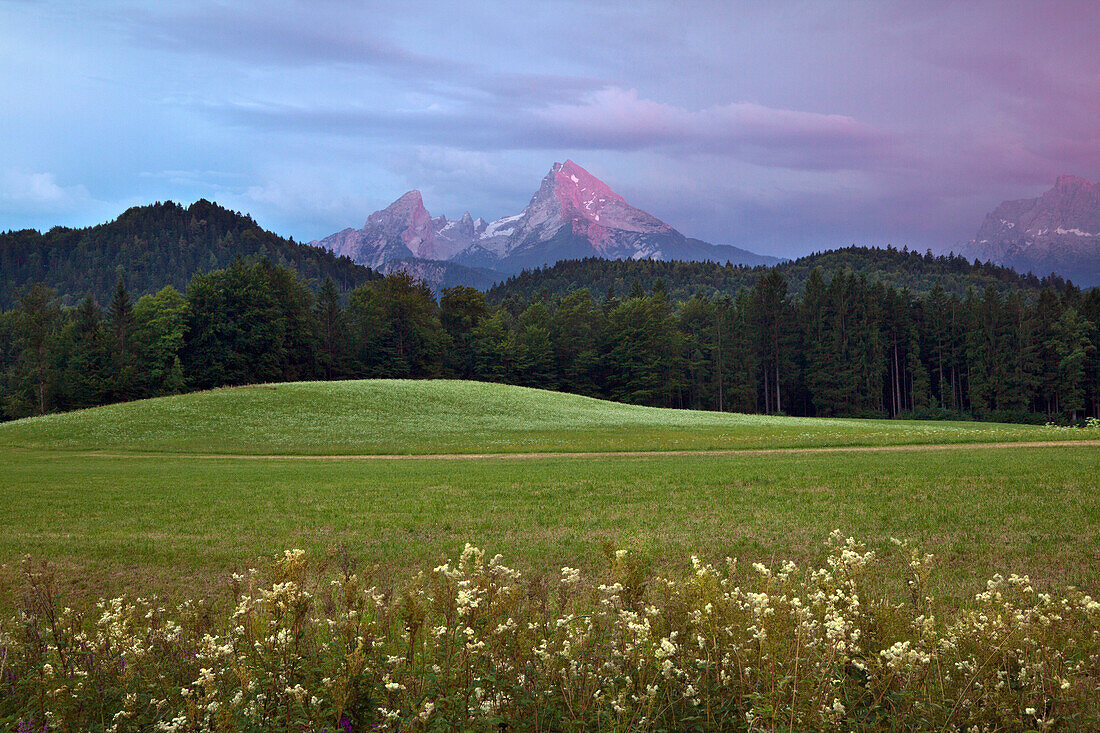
[
  {"x": 37, "y": 321},
  {"x": 332, "y": 333},
  {"x": 88, "y": 372},
  {"x": 120, "y": 316}
]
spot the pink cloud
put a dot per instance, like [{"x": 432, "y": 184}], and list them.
[{"x": 615, "y": 118}]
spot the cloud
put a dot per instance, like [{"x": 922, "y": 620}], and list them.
[
  {"x": 40, "y": 193},
  {"x": 335, "y": 37},
  {"x": 314, "y": 197},
  {"x": 454, "y": 180},
  {"x": 743, "y": 122},
  {"x": 311, "y": 200},
  {"x": 531, "y": 89},
  {"x": 611, "y": 119},
  {"x": 286, "y": 35},
  {"x": 618, "y": 119}
]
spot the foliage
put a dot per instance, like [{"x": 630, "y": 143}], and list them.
[{"x": 846, "y": 347}]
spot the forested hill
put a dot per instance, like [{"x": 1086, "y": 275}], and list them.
[
  {"x": 893, "y": 267},
  {"x": 153, "y": 246}
]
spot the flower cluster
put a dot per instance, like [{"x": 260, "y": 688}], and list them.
[{"x": 857, "y": 644}]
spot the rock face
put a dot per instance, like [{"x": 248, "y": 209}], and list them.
[
  {"x": 402, "y": 229},
  {"x": 454, "y": 236},
  {"x": 1058, "y": 232},
  {"x": 572, "y": 215}
]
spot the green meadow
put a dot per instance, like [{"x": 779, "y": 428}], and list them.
[
  {"x": 173, "y": 494},
  {"x": 386, "y": 416}
]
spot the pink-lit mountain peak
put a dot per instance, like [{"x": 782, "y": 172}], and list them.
[
  {"x": 589, "y": 203},
  {"x": 580, "y": 191},
  {"x": 406, "y": 220},
  {"x": 1064, "y": 183},
  {"x": 1073, "y": 202},
  {"x": 582, "y": 196},
  {"x": 408, "y": 208},
  {"x": 572, "y": 215}
]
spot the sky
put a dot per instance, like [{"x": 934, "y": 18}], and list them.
[{"x": 778, "y": 126}]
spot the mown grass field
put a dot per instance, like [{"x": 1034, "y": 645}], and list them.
[{"x": 157, "y": 509}]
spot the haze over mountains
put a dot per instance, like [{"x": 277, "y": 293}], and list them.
[
  {"x": 1057, "y": 232},
  {"x": 572, "y": 215}
]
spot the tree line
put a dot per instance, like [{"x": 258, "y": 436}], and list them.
[
  {"x": 901, "y": 268},
  {"x": 846, "y": 346}
]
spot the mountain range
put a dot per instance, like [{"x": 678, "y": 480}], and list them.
[
  {"x": 1056, "y": 232},
  {"x": 572, "y": 215},
  {"x": 604, "y": 242}
]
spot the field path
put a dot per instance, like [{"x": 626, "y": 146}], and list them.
[{"x": 606, "y": 454}]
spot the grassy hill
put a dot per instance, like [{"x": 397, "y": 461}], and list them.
[
  {"x": 153, "y": 494},
  {"x": 445, "y": 416}
]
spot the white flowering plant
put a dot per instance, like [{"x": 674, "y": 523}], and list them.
[{"x": 314, "y": 644}]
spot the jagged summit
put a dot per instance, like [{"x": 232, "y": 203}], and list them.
[
  {"x": 1056, "y": 232},
  {"x": 591, "y": 205},
  {"x": 573, "y": 214},
  {"x": 402, "y": 229},
  {"x": 578, "y": 189},
  {"x": 1067, "y": 183},
  {"x": 408, "y": 201},
  {"x": 409, "y": 220}
]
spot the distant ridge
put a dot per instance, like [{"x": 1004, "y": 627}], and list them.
[{"x": 901, "y": 269}]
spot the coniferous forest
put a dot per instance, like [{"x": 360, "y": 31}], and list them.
[
  {"x": 155, "y": 245},
  {"x": 842, "y": 345}
]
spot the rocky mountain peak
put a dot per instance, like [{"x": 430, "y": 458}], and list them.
[
  {"x": 1056, "y": 232},
  {"x": 408, "y": 208},
  {"x": 579, "y": 190},
  {"x": 1072, "y": 183},
  {"x": 573, "y": 215},
  {"x": 1073, "y": 202},
  {"x": 570, "y": 195}
]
